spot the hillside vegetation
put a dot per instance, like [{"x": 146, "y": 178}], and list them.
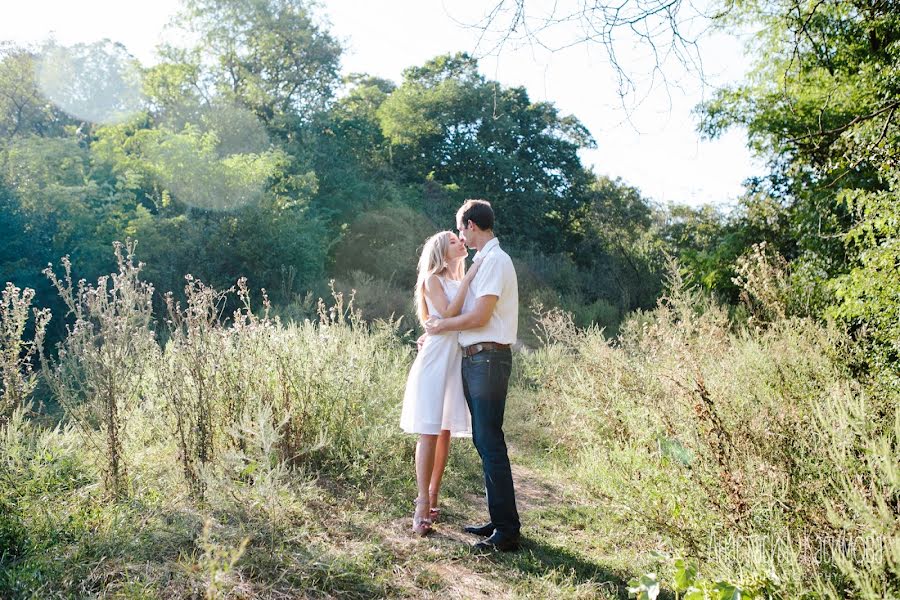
[{"x": 705, "y": 403}]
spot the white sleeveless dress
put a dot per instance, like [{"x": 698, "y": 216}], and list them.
[{"x": 434, "y": 397}]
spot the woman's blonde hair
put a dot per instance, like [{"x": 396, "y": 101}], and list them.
[{"x": 433, "y": 262}]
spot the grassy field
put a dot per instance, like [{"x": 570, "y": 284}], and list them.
[
  {"x": 306, "y": 536},
  {"x": 694, "y": 456}
]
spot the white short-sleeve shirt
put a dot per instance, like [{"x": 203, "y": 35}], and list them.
[{"x": 496, "y": 276}]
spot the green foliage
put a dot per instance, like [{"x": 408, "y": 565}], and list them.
[
  {"x": 620, "y": 247},
  {"x": 820, "y": 107},
  {"x": 244, "y": 163},
  {"x": 36, "y": 463},
  {"x": 351, "y": 156},
  {"x": 868, "y": 297},
  {"x": 54, "y": 192},
  {"x": 53, "y": 204},
  {"x": 95, "y": 82},
  {"x": 23, "y": 111},
  {"x": 726, "y": 443},
  {"x": 689, "y": 585},
  {"x": 449, "y": 124},
  {"x": 267, "y": 55},
  {"x": 185, "y": 182},
  {"x": 190, "y": 166},
  {"x": 645, "y": 588},
  {"x": 356, "y": 120},
  {"x": 698, "y": 237},
  {"x": 384, "y": 243}
]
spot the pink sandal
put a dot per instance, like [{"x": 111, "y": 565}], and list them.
[
  {"x": 421, "y": 525},
  {"x": 434, "y": 512}
]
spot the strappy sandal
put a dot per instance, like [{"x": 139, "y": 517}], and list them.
[
  {"x": 421, "y": 525},
  {"x": 435, "y": 511}
]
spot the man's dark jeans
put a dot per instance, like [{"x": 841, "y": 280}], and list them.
[{"x": 485, "y": 380}]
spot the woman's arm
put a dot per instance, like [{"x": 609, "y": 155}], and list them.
[
  {"x": 478, "y": 317},
  {"x": 457, "y": 304},
  {"x": 435, "y": 292}
]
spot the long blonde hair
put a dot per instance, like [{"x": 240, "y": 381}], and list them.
[{"x": 433, "y": 262}]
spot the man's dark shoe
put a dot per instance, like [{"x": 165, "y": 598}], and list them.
[
  {"x": 498, "y": 541},
  {"x": 482, "y": 530}
]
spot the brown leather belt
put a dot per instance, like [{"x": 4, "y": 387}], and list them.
[{"x": 479, "y": 347}]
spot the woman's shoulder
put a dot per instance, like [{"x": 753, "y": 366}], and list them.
[{"x": 434, "y": 282}]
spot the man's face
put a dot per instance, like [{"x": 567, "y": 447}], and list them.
[{"x": 465, "y": 229}]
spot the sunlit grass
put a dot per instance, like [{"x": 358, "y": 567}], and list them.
[{"x": 689, "y": 436}]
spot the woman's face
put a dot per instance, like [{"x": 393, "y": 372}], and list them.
[{"x": 456, "y": 249}]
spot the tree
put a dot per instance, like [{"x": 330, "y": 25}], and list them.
[
  {"x": 666, "y": 32},
  {"x": 267, "y": 55},
  {"x": 50, "y": 181},
  {"x": 821, "y": 107},
  {"x": 868, "y": 296},
  {"x": 349, "y": 154},
  {"x": 355, "y": 123},
  {"x": 23, "y": 110},
  {"x": 447, "y": 123},
  {"x": 208, "y": 208},
  {"x": 616, "y": 245}
]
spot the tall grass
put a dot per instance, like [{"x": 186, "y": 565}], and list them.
[
  {"x": 101, "y": 364},
  {"x": 750, "y": 448},
  {"x": 227, "y": 415},
  {"x": 208, "y": 454}
]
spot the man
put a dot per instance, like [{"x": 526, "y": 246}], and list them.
[{"x": 487, "y": 329}]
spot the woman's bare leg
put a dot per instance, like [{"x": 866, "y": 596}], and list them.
[
  {"x": 442, "y": 452},
  {"x": 425, "y": 451}
]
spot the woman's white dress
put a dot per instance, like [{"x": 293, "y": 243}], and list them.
[{"x": 434, "y": 397}]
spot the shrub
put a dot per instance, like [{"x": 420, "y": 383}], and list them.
[
  {"x": 712, "y": 434},
  {"x": 99, "y": 372},
  {"x": 17, "y": 379},
  {"x": 385, "y": 243},
  {"x": 377, "y": 299}
]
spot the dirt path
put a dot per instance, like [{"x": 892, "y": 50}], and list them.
[{"x": 443, "y": 560}]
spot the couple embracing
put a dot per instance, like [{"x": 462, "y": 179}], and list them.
[{"x": 458, "y": 383}]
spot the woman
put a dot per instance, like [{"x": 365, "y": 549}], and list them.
[{"x": 434, "y": 405}]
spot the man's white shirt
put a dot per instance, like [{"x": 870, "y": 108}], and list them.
[{"x": 496, "y": 277}]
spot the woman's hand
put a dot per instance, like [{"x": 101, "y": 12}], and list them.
[
  {"x": 433, "y": 326},
  {"x": 448, "y": 309},
  {"x": 470, "y": 274}
]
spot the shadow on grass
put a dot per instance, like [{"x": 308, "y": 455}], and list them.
[{"x": 538, "y": 559}]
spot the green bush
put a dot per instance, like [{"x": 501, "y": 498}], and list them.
[
  {"x": 385, "y": 243},
  {"x": 378, "y": 299}
]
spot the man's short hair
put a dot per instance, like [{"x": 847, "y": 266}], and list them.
[{"x": 477, "y": 211}]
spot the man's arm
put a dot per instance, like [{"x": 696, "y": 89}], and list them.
[{"x": 477, "y": 317}]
